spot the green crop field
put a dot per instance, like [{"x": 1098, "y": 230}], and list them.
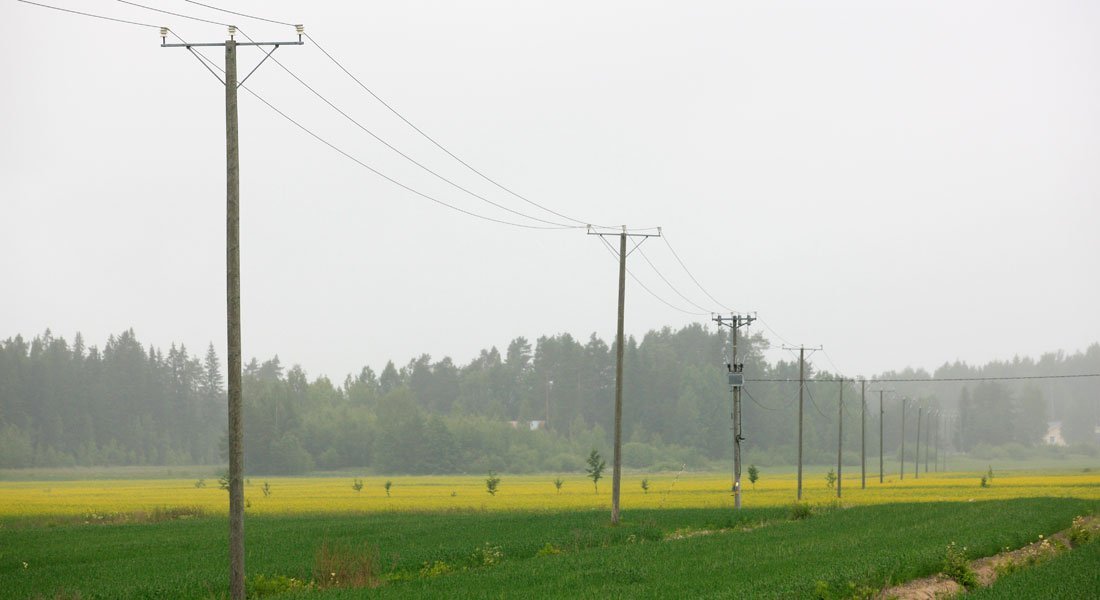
[{"x": 658, "y": 553}]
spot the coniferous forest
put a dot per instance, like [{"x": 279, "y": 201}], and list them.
[{"x": 66, "y": 403}]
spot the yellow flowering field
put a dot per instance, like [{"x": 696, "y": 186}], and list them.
[{"x": 107, "y": 499}]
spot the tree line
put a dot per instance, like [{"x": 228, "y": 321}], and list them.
[{"x": 64, "y": 404}]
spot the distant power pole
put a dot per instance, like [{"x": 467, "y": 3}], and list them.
[
  {"x": 801, "y": 405},
  {"x": 617, "y": 468},
  {"x": 863, "y": 434},
  {"x": 881, "y": 437},
  {"x": 916, "y": 459},
  {"x": 840, "y": 439},
  {"x": 903, "y": 401},
  {"x": 233, "y": 296},
  {"x": 927, "y": 428},
  {"x": 736, "y": 381}
]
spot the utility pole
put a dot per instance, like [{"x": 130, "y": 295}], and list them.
[
  {"x": 916, "y": 459},
  {"x": 927, "y": 428},
  {"x": 863, "y": 435},
  {"x": 617, "y": 467},
  {"x": 881, "y": 428},
  {"x": 549, "y": 384},
  {"x": 736, "y": 381},
  {"x": 840, "y": 439},
  {"x": 801, "y": 406},
  {"x": 903, "y": 401},
  {"x": 233, "y": 293}
]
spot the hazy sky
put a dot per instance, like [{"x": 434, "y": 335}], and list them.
[{"x": 902, "y": 182}]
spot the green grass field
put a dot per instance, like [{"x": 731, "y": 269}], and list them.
[
  {"x": 758, "y": 553},
  {"x": 1070, "y": 576}
]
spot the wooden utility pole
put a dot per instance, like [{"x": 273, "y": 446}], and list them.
[
  {"x": 881, "y": 437},
  {"x": 233, "y": 295},
  {"x": 233, "y": 327},
  {"x": 927, "y": 428},
  {"x": 801, "y": 384},
  {"x": 916, "y": 458},
  {"x": 903, "y": 400},
  {"x": 840, "y": 439},
  {"x": 617, "y": 465},
  {"x": 801, "y": 405},
  {"x": 736, "y": 380},
  {"x": 863, "y": 435}
]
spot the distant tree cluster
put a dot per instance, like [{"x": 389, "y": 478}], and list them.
[{"x": 65, "y": 404}]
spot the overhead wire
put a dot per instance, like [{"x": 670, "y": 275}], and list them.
[
  {"x": 399, "y": 115},
  {"x": 87, "y": 14},
  {"x": 668, "y": 283},
  {"x": 615, "y": 254},
  {"x": 688, "y": 271},
  {"x": 372, "y": 169},
  {"x": 945, "y": 379},
  {"x": 174, "y": 14}
]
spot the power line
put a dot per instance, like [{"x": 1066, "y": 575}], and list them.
[
  {"x": 754, "y": 401},
  {"x": 411, "y": 124},
  {"x": 667, "y": 282},
  {"x": 168, "y": 12},
  {"x": 87, "y": 14},
  {"x": 688, "y": 271},
  {"x": 241, "y": 14},
  {"x": 814, "y": 403},
  {"x": 944, "y": 379},
  {"x": 379, "y": 173},
  {"x": 406, "y": 156},
  {"x": 646, "y": 288}
]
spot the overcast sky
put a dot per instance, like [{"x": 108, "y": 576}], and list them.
[{"x": 905, "y": 183}]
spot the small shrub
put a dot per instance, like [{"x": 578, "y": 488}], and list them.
[
  {"x": 357, "y": 484},
  {"x": 266, "y": 489},
  {"x": 258, "y": 585},
  {"x": 387, "y": 485},
  {"x": 548, "y": 550},
  {"x": 985, "y": 482},
  {"x": 492, "y": 483},
  {"x": 800, "y": 511},
  {"x": 487, "y": 555},
  {"x": 558, "y": 483},
  {"x": 201, "y": 483},
  {"x": 1080, "y": 532},
  {"x": 990, "y": 474},
  {"x": 595, "y": 468},
  {"x": 346, "y": 567},
  {"x": 223, "y": 480},
  {"x": 957, "y": 567},
  {"x": 645, "y": 486},
  {"x": 754, "y": 475},
  {"x": 435, "y": 569},
  {"x": 830, "y": 479}
]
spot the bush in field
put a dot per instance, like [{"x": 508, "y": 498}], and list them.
[
  {"x": 387, "y": 485},
  {"x": 492, "y": 483},
  {"x": 223, "y": 480},
  {"x": 754, "y": 474},
  {"x": 957, "y": 567},
  {"x": 830, "y": 479},
  {"x": 645, "y": 486},
  {"x": 266, "y": 489},
  {"x": 357, "y": 484},
  {"x": 201, "y": 483},
  {"x": 558, "y": 483},
  {"x": 800, "y": 511},
  {"x": 595, "y": 468},
  {"x": 346, "y": 566}
]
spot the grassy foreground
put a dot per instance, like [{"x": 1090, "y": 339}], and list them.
[
  {"x": 446, "y": 537},
  {"x": 518, "y": 554}
]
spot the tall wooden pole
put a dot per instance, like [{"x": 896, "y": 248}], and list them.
[
  {"x": 801, "y": 384},
  {"x": 736, "y": 320},
  {"x": 233, "y": 328},
  {"x": 903, "y": 439},
  {"x": 840, "y": 439},
  {"x": 617, "y": 468},
  {"x": 881, "y": 437},
  {"x": 863, "y": 435},
  {"x": 916, "y": 458}
]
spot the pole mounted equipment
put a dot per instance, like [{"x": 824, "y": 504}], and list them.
[{"x": 735, "y": 373}]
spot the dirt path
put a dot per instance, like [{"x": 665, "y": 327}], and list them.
[{"x": 986, "y": 569}]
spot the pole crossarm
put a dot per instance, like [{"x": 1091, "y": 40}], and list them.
[{"x": 222, "y": 44}]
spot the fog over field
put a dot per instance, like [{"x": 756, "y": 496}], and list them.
[{"x": 905, "y": 184}]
